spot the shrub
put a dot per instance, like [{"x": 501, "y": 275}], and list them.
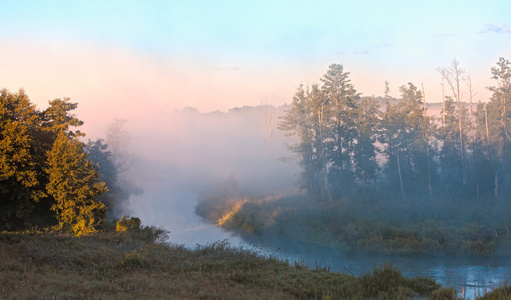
[
  {"x": 125, "y": 224},
  {"x": 444, "y": 294}
]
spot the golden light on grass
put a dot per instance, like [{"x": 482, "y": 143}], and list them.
[{"x": 228, "y": 215}]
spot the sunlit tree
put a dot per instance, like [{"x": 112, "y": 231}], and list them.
[
  {"x": 75, "y": 185},
  {"x": 20, "y": 188}
]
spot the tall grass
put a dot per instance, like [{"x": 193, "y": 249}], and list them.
[{"x": 133, "y": 265}]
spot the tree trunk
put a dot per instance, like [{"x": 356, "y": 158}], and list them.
[
  {"x": 325, "y": 173},
  {"x": 400, "y": 178},
  {"x": 496, "y": 185},
  {"x": 427, "y": 139}
]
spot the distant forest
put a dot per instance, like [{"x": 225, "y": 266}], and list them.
[{"x": 353, "y": 146}]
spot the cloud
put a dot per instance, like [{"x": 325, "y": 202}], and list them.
[
  {"x": 363, "y": 52},
  {"x": 496, "y": 28}
]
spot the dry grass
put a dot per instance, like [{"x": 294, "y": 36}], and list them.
[
  {"x": 228, "y": 215},
  {"x": 131, "y": 265}
]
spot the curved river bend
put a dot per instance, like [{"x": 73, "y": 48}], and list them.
[{"x": 470, "y": 276}]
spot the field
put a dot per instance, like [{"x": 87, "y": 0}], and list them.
[{"x": 137, "y": 265}]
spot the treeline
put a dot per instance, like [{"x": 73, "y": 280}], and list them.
[
  {"x": 351, "y": 146},
  {"x": 46, "y": 174}
]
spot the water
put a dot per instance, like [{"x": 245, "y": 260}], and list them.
[
  {"x": 175, "y": 212},
  {"x": 469, "y": 277}
]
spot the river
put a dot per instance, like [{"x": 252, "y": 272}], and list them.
[{"x": 175, "y": 212}]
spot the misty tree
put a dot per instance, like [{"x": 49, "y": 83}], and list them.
[
  {"x": 484, "y": 167},
  {"x": 100, "y": 155},
  {"x": 114, "y": 159},
  {"x": 449, "y": 157},
  {"x": 499, "y": 116},
  {"x": 337, "y": 134},
  {"x": 340, "y": 102},
  {"x": 365, "y": 150},
  {"x": 305, "y": 121},
  {"x": 405, "y": 144},
  {"x": 453, "y": 76},
  {"x": 267, "y": 123},
  {"x": 117, "y": 139}
]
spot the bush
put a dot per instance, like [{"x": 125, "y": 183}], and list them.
[
  {"x": 503, "y": 292},
  {"x": 125, "y": 224},
  {"x": 444, "y": 294}
]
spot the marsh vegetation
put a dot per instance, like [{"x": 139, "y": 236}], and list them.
[{"x": 134, "y": 264}]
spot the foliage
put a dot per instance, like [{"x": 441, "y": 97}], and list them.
[
  {"x": 20, "y": 188},
  {"x": 338, "y": 134},
  {"x": 75, "y": 185},
  {"x": 502, "y": 292},
  {"x": 128, "y": 225},
  {"x": 43, "y": 167},
  {"x": 119, "y": 265},
  {"x": 478, "y": 229},
  {"x": 444, "y": 294}
]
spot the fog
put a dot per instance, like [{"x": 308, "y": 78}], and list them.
[{"x": 180, "y": 154}]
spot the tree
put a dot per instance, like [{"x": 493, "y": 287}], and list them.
[
  {"x": 99, "y": 154},
  {"x": 117, "y": 139},
  {"x": 406, "y": 146},
  {"x": 368, "y": 126},
  {"x": 57, "y": 118},
  {"x": 453, "y": 75},
  {"x": 448, "y": 136},
  {"x": 267, "y": 123},
  {"x": 340, "y": 100},
  {"x": 305, "y": 120},
  {"x": 20, "y": 188},
  {"x": 75, "y": 185},
  {"x": 499, "y": 117}
]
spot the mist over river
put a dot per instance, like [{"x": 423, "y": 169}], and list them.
[
  {"x": 172, "y": 208},
  {"x": 192, "y": 153}
]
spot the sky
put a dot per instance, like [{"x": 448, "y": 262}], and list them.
[{"x": 126, "y": 59}]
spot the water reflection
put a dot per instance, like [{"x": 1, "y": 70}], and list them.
[{"x": 469, "y": 276}]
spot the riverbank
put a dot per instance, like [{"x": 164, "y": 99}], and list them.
[
  {"x": 136, "y": 265},
  {"x": 446, "y": 228}
]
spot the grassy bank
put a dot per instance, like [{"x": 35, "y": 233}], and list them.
[
  {"x": 133, "y": 265},
  {"x": 413, "y": 228}
]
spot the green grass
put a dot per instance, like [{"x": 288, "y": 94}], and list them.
[
  {"x": 429, "y": 229},
  {"x": 134, "y": 265}
]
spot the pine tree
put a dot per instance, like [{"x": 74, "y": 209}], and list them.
[
  {"x": 305, "y": 121},
  {"x": 75, "y": 185},
  {"x": 341, "y": 104},
  {"x": 499, "y": 123},
  {"x": 369, "y": 127}
]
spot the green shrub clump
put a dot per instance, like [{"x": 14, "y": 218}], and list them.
[{"x": 125, "y": 224}]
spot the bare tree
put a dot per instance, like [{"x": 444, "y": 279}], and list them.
[
  {"x": 454, "y": 78},
  {"x": 443, "y": 73},
  {"x": 472, "y": 127},
  {"x": 267, "y": 123},
  {"x": 117, "y": 139}
]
